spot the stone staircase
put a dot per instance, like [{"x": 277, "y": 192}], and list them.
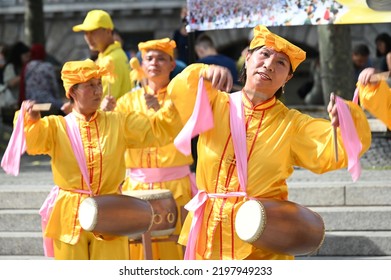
[{"x": 356, "y": 215}]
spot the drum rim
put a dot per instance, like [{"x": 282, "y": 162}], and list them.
[
  {"x": 262, "y": 227},
  {"x": 95, "y": 220},
  {"x": 164, "y": 193},
  {"x": 324, "y": 232}
]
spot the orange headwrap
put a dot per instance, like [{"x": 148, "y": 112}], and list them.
[
  {"x": 76, "y": 72},
  {"x": 263, "y": 37},
  {"x": 165, "y": 45}
]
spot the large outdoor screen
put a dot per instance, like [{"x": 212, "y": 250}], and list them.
[{"x": 226, "y": 14}]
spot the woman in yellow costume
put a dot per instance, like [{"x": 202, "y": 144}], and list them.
[
  {"x": 277, "y": 139},
  {"x": 104, "y": 137},
  {"x": 153, "y": 168},
  {"x": 374, "y": 94}
]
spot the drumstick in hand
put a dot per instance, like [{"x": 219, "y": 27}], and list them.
[
  {"x": 335, "y": 139},
  {"x": 141, "y": 77},
  {"x": 41, "y": 107},
  {"x": 379, "y": 77}
]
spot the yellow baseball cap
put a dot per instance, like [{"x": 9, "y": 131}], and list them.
[
  {"x": 165, "y": 45},
  {"x": 263, "y": 37},
  {"x": 95, "y": 19}
]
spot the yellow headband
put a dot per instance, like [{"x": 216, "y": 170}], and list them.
[
  {"x": 263, "y": 37},
  {"x": 76, "y": 72},
  {"x": 165, "y": 45}
]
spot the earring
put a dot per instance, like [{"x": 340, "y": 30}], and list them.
[{"x": 283, "y": 89}]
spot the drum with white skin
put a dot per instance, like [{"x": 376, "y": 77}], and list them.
[
  {"x": 280, "y": 226},
  {"x": 115, "y": 214}
]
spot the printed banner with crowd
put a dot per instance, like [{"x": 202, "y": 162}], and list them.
[{"x": 227, "y": 14}]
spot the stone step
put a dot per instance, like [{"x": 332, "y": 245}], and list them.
[
  {"x": 306, "y": 193},
  {"x": 22, "y": 198},
  {"x": 20, "y": 220},
  {"x": 336, "y": 243},
  {"x": 356, "y": 218},
  {"x": 21, "y": 243},
  {"x": 356, "y": 243},
  {"x": 340, "y": 193}
]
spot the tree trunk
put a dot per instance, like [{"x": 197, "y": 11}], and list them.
[
  {"x": 337, "y": 74},
  {"x": 34, "y": 22}
]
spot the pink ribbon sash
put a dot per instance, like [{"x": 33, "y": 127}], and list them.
[
  {"x": 152, "y": 175},
  {"x": 77, "y": 146},
  {"x": 350, "y": 138},
  {"x": 197, "y": 204},
  {"x": 238, "y": 130},
  {"x": 47, "y": 206},
  {"x": 200, "y": 121},
  {"x": 16, "y": 146}
]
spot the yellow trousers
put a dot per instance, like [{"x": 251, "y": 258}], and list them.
[
  {"x": 160, "y": 251},
  {"x": 90, "y": 248}
]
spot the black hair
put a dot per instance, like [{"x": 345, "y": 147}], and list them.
[
  {"x": 243, "y": 74},
  {"x": 383, "y": 37},
  {"x": 361, "y": 49}
]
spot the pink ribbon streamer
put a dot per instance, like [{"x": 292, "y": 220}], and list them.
[
  {"x": 350, "y": 138},
  {"x": 16, "y": 146},
  {"x": 200, "y": 121},
  {"x": 45, "y": 211}
]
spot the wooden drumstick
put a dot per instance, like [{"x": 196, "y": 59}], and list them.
[
  {"x": 335, "y": 137},
  {"x": 142, "y": 78},
  {"x": 379, "y": 77},
  {"x": 42, "y": 107}
]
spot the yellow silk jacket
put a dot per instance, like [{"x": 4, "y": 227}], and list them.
[
  {"x": 156, "y": 157},
  {"x": 104, "y": 138},
  {"x": 376, "y": 98},
  {"x": 119, "y": 83},
  {"x": 278, "y": 139}
]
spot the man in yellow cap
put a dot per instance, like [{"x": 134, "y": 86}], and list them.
[
  {"x": 103, "y": 139},
  {"x": 155, "y": 165},
  {"x": 98, "y": 33},
  {"x": 275, "y": 140}
]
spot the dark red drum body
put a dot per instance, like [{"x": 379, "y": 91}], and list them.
[
  {"x": 165, "y": 213},
  {"x": 280, "y": 226},
  {"x": 115, "y": 214}
]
